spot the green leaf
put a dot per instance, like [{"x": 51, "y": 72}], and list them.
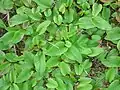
[
  {"x": 4, "y": 66},
  {"x": 11, "y": 57},
  {"x": 86, "y": 51},
  {"x": 15, "y": 87},
  {"x": 5, "y": 86},
  {"x": 68, "y": 44},
  {"x": 62, "y": 8},
  {"x": 36, "y": 40},
  {"x": 78, "y": 69},
  {"x": 5, "y": 5},
  {"x": 110, "y": 74},
  {"x": 2, "y": 25},
  {"x": 96, "y": 8},
  {"x": 118, "y": 45},
  {"x": 69, "y": 2},
  {"x": 64, "y": 68},
  {"x": 84, "y": 81},
  {"x": 115, "y": 85},
  {"x": 56, "y": 49},
  {"x": 40, "y": 63},
  {"x": 44, "y": 3},
  {"x": 87, "y": 64},
  {"x": 2, "y": 55},
  {"x": 18, "y": 36},
  {"x": 43, "y": 27},
  {"x": 29, "y": 57},
  {"x": 74, "y": 54},
  {"x": 86, "y": 87},
  {"x": 96, "y": 37},
  {"x": 69, "y": 86},
  {"x": 53, "y": 61},
  {"x": 85, "y": 23},
  {"x": 58, "y": 19},
  {"x": 24, "y": 75},
  {"x": 12, "y": 76},
  {"x": 25, "y": 86},
  {"x": 48, "y": 12},
  {"x": 61, "y": 84},
  {"x": 18, "y": 19},
  {"x": 106, "y": 13},
  {"x": 112, "y": 61},
  {"x": 69, "y": 15},
  {"x": 81, "y": 1},
  {"x": 101, "y": 23},
  {"x": 113, "y": 35},
  {"x": 6, "y": 38},
  {"x": 95, "y": 51},
  {"x": 52, "y": 83}
]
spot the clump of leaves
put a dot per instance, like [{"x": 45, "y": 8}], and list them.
[{"x": 59, "y": 44}]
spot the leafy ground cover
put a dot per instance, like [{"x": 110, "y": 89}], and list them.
[{"x": 59, "y": 44}]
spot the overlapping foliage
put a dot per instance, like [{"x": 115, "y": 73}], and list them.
[{"x": 59, "y": 44}]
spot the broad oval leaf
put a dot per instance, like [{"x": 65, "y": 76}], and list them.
[
  {"x": 86, "y": 87},
  {"x": 4, "y": 66},
  {"x": 52, "y": 83},
  {"x": 69, "y": 15},
  {"x": 44, "y": 3},
  {"x": 113, "y": 35},
  {"x": 78, "y": 69},
  {"x": 53, "y": 61},
  {"x": 84, "y": 81},
  {"x": 112, "y": 61},
  {"x": 96, "y": 51},
  {"x": 106, "y": 13},
  {"x": 24, "y": 75},
  {"x": 64, "y": 68},
  {"x": 96, "y": 8},
  {"x": 85, "y": 23},
  {"x": 18, "y": 36},
  {"x": 101, "y": 23},
  {"x": 58, "y": 19},
  {"x": 110, "y": 74},
  {"x": 56, "y": 49},
  {"x": 6, "y": 38},
  {"x": 74, "y": 54},
  {"x": 43, "y": 27},
  {"x": 18, "y": 19},
  {"x": 61, "y": 84},
  {"x": 87, "y": 64},
  {"x": 115, "y": 85}
]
